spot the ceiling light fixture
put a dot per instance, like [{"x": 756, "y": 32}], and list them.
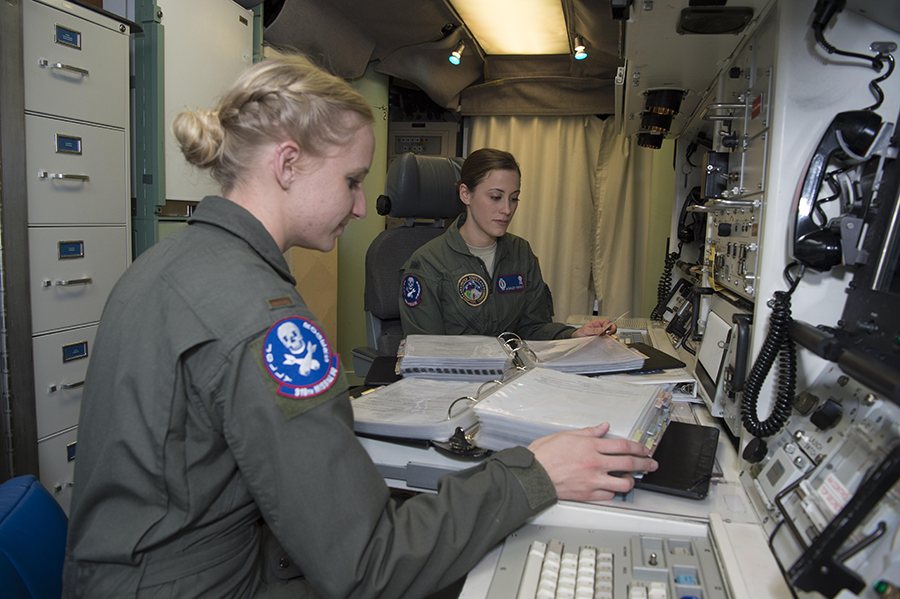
[
  {"x": 580, "y": 52},
  {"x": 456, "y": 55},
  {"x": 515, "y": 27}
]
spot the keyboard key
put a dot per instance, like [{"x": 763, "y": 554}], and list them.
[
  {"x": 636, "y": 592},
  {"x": 532, "y": 571}
]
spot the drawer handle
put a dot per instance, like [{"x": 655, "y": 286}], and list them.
[
  {"x": 86, "y": 281},
  {"x": 54, "y": 388},
  {"x": 65, "y": 67},
  {"x": 68, "y": 176}
]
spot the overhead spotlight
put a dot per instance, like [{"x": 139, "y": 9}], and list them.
[
  {"x": 456, "y": 55},
  {"x": 580, "y": 52}
]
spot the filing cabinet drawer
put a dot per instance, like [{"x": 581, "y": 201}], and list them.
[
  {"x": 73, "y": 269},
  {"x": 76, "y": 173},
  {"x": 56, "y": 459},
  {"x": 60, "y": 363},
  {"x": 74, "y": 68}
]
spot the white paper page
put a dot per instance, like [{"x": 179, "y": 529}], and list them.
[
  {"x": 598, "y": 350},
  {"x": 566, "y": 401},
  {"x": 413, "y": 402},
  {"x": 673, "y": 375}
]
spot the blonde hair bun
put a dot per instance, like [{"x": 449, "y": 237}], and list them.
[{"x": 200, "y": 135}]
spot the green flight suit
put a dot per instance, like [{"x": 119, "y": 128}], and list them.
[
  {"x": 191, "y": 429},
  {"x": 445, "y": 290}
]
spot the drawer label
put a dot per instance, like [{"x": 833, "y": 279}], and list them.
[
  {"x": 68, "y": 37},
  {"x": 68, "y": 144},
  {"x": 75, "y": 351},
  {"x": 71, "y": 249}
]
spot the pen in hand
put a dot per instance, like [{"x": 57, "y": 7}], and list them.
[{"x": 606, "y": 330}]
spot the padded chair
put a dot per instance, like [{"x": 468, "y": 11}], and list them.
[
  {"x": 417, "y": 187},
  {"x": 32, "y": 540}
]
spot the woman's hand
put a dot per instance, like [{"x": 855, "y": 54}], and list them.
[
  {"x": 601, "y": 326},
  {"x": 579, "y": 463}
]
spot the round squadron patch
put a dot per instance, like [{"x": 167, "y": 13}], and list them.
[
  {"x": 473, "y": 289},
  {"x": 412, "y": 291},
  {"x": 297, "y": 355}
]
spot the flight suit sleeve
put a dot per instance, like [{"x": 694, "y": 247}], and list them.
[
  {"x": 537, "y": 317},
  {"x": 330, "y": 509},
  {"x": 420, "y": 303}
]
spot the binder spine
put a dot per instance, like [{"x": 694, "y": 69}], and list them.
[{"x": 653, "y": 422}]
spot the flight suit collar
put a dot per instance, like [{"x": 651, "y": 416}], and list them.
[
  {"x": 458, "y": 244},
  {"x": 225, "y": 214}
]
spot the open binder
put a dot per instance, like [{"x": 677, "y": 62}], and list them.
[
  {"x": 539, "y": 401},
  {"x": 414, "y": 408},
  {"x": 484, "y": 358},
  {"x": 472, "y": 419}
]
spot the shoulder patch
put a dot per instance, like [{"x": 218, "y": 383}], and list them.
[
  {"x": 412, "y": 291},
  {"x": 297, "y": 355},
  {"x": 508, "y": 283},
  {"x": 473, "y": 289}
]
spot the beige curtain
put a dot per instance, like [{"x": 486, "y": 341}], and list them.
[
  {"x": 558, "y": 157},
  {"x": 584, "y": 207},
  {"x": 623, "y": 212}
]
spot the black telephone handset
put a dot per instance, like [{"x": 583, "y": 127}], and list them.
[{"x": 849, "y": 137}]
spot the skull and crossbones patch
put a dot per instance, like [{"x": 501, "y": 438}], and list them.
[{"x": 296, "y": 354}]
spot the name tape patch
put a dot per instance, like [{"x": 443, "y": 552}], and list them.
[
  {"x": 510, "y": 283},
  {"x": 412, "y": 291},
  {"x": 297, "y": 355},
  {"x": 473, "y": 289}
]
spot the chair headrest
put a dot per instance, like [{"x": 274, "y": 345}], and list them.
[{"x": 423, "y": 187}]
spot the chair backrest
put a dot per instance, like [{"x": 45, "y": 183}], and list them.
[
  {"x": 417, "y": 187},
  {"x": 32, "y": 540}
]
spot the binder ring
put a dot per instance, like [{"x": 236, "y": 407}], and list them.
[
  {"x": 507, "y": 336},
  {"x": 450, "y": 409},
  {"x": 494, "y": 382},
  {"x": 515, "y": 369},
  {"x": 528, "y": 351}
]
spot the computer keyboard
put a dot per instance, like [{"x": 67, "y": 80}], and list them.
[
  {"x": 634, "y": 330},
  {"x": 545, "y": 562},
  {"x": 629, "y": 336}
]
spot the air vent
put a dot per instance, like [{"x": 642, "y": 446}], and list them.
[{"x": 714, "y": 20}]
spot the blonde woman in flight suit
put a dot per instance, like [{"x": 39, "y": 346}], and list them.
[{"x": 214, "y": 400}]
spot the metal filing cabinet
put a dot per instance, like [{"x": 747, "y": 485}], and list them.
[{"x": 77, "y": 163}]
